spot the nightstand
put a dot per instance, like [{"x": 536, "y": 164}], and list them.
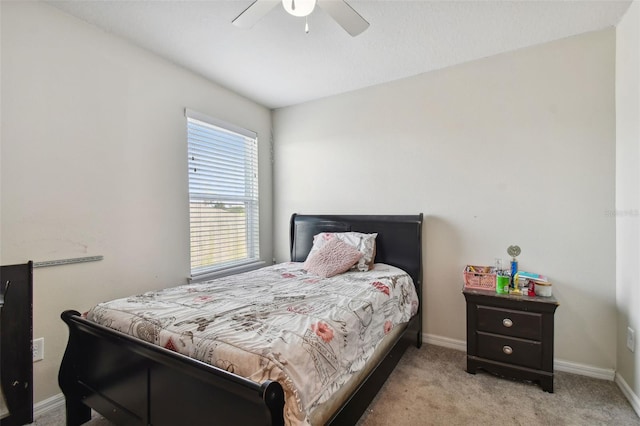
[{"x": 511, "y": 335}]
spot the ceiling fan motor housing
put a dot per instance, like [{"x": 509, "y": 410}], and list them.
[{"x": 299, "y": 8}]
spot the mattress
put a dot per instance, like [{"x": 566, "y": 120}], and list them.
[
  {"x": 278, "y": 323},
  {"x": 322, "y": 413}
]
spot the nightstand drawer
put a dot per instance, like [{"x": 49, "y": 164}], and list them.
[
  {"x": 521, "y": 352},
  {"x": 527, "y": 325}
]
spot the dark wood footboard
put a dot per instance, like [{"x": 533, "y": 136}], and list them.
[{"x": 132, "y": 382}]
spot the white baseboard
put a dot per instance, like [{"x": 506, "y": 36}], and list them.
[
  {"x": 43, "y": 407},
  {"x": 628, "y": 392},
  {"x": 446, "y": 342},
  {"x": 584, "y": 370},
  {"x": 560, "y": 365}
]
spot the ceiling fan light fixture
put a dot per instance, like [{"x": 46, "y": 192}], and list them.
[
  {"x": 299, "y": 8},
  {"x": 339, "y": 10}
]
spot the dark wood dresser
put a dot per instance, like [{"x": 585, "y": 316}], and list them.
[
  {"x": 511, "y": 335},
  {"x": 16, "y": 335}
]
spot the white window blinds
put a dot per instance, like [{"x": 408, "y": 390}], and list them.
[{"x": 223, "y": 194}]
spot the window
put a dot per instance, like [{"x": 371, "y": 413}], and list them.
[{"x": 223, "y": 194}]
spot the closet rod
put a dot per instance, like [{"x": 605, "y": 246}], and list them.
[{"x": 66, "y": 261}]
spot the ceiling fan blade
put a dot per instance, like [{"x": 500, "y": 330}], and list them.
[
  {"x": 344, "y": 15},
  {"x": 254, "y": 13}
]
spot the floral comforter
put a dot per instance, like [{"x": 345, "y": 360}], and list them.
[{"x": 279, "y": 323}]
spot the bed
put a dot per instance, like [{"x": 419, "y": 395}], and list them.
[{"x": 132, "y": 381}]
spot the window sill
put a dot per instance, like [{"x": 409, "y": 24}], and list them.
[{"x": 207, "y": 276}]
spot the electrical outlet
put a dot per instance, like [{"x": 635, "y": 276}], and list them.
[
  {"x": 38, "y": 349},
  {"x": 631, "y": 339}
]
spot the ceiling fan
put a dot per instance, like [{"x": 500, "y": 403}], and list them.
[{"x": 339, "y": 10}]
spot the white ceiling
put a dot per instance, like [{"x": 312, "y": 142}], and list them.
[{"x": 276, "y": 64}]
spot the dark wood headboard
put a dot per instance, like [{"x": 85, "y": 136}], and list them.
[{"x": 399, "y": 240}]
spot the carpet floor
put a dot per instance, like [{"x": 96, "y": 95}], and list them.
[{"x": 431, "y": 387}]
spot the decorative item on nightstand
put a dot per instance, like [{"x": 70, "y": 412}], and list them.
[{"x": 514, "y": 251}]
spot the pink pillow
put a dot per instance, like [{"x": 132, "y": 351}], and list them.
[
  {"x": 333, "y": 258},
  {"x": 365, "y": 243}
]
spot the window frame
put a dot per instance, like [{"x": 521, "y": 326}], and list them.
[{"x": 250, "y": 199}]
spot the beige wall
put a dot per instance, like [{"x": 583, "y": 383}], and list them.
[
  {"x": 628, "y": 196},
  {"x": 513, "y": 149},
  {"x": 94, "y": 162}
]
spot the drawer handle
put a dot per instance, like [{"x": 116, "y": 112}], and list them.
[
  {"x": 507, "y": 350},
  {"x": 507, "y": 322}
]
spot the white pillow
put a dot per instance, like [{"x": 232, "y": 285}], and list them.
[
  {"x": 365, "y": 243},
  {"x": 333, "y": 258}
]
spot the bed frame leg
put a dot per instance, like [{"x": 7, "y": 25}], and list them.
[
  {"x": 77, "y": 412},
  {"x": 415, "y": 326}
]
